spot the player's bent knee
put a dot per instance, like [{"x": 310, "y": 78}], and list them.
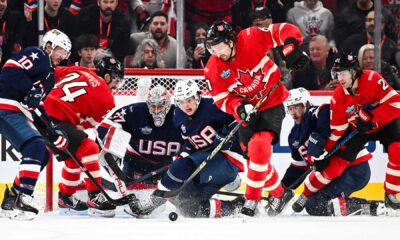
[
  {"x": 178, "y": 172},
  {"x": 35, "y": 148},
  {"x": 335, "y": 168},
  {"x": 260, "y": 145}
]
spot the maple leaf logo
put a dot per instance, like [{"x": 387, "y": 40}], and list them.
[{"x": 250, "y": 85}]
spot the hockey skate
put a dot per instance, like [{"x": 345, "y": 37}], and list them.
[
  {"x": 139, "y": 208},
  {"x": 300, "y": 203},
  {"x": 8, "y": 204},
  {"x": 249, "y": 208},
  {"x": 99, "y": 206},
  {"x": 23, "y": 208},
  {"x": 278, "y": 204},
  {"x": 70, "y": 205},
  {"x": 392, "y": 205}
]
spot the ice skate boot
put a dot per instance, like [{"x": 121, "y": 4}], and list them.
[
  {"x": 99, "y": 206},
  {"x": 8, "y": 204},
  {"x": 249, "y": 208},
  {"x": 143, "y": 207},
  {"x": 278, "y": 204},
  {"x": 69, "y": 204},
  {"x": 300, "y": 203},
  {"x": 24, "y": 209},
  {"x": 392, "y": 205}
]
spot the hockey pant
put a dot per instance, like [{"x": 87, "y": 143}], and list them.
[
  {"x": 88, "y": 154},
  {"x": 195, "y": 200}
]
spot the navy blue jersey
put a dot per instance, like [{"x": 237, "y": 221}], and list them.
[
  {"x": 199, "y": 130},
  {"x": 30, "y": 66},
  {"x": 154, "y": 145},
  {"x": 316, "y": 119}
]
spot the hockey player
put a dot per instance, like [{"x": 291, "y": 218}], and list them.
[
  {"x": 200, "y": 121},
  {"x": 241, "y": 73},
  {"x": 25, "y": 80},
  {"x": 79, "y": 101},
  {"x": 154, "y": 138},
  {"x": 312, "y": 122},
  {"x": 376, "y": 116}
]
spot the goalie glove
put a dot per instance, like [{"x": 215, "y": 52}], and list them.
[{"x": 294, "y": 58}]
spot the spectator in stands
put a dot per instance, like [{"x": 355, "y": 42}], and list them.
[
  {"x": 148, "y": 55},
  {"x": 86, "y": 45},
  {"x": 11, "y": 24},
  {"x": 242, "y": 10},
  {"x": 261, "y": 17},
  {"x": 312, "y": 18},
  {"x": 389, "y": 72},
  {"x": 55, "y": 17},
  {"x": 158, "y": 32},
  {"x": 316, "y": 75},
  {"x": 388, "y": 46},
  {"x": 351, "y": 20},
  {"x": 196, "y": 55},
  {"x": 109, "y": 24}
]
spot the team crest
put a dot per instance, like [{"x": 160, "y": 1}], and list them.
[
  {"x": 225, "y": 73},
  {"x": 146, "y": 130},
  {"x": 183, "y": 128},
  {"x": 351, "y": 109},
  {"x": 296, "y": 144},
  {"x": 250, "y": 85}
]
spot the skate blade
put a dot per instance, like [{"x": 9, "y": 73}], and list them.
[
  {"x": 92, "y": 212},
  {"x": 71, "y": 212},
  {"x": 21, "y": 215},
  {"x": 128, "y": 211},
  {"x": 392, "y": 212}
]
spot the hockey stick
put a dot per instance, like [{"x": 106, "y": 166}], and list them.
[
  {"x": 333, "y": 151},
  {"x": 173, "y": 193},
  {"x": 118, "y": 202},
  {"x": 234, "y": 194}
]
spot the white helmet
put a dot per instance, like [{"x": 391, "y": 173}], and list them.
[
  {"x": 298, "y": 95},
  {"x": 159, "y": 102},
  {"x": 57, "y": 39},
  {"x": 185, "y": 89}
]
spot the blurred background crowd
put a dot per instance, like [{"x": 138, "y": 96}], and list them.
[{"x": 143, "y": 33}]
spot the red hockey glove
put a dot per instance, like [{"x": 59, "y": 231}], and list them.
[
  {"x": 294, "y": 58},
  {"x": 57, "y": 137},
  {"x": 364, "y": 121},
  {"x": 244, "y": 112}
]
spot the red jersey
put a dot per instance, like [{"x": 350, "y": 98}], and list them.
[
  {"x": 250, "y": 74},
  {"x": 79, "y": 97},
  {"x": 371, "y": 89}
]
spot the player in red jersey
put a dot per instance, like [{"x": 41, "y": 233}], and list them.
[
  {"x": 366, "y": 102},
  {"x": 240, "y": 73},
  {"x": 79, "y": 101}
]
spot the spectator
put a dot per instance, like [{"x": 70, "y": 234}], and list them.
[
  {"x": 148, "y": 55},
  {"x": 109, "y": 24},
  {"x": 86, "y": 45},
  {"x": 158, "y": 32},
  {"x": 261, "y": 17},
  {"x": 208, "y": 11},
  {"x": 11, "y": 23},
  {"x": 242, "y": 10},
  {"x": 312, "y": 18},
  {"x": 316, "y": 74},
  {"x": 389, "y": 72},
  {"x": 55, "y": 17},
  {"x": 196, "y": 55},
  {"x": 388, "y": 46}
]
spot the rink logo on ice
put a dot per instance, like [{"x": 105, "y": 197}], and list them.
[
  {"x": 351, "y": 109},
  {"x": 225, "y": 73},
  {"x": 146, "y": 130}
]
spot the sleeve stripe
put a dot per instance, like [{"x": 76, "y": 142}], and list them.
[
  {"x": 334, "y": 137},
  {"x": 388, "y": 96},
  {"x": 13, "y": 64},
  {"x": 340, "y": 127},
  {"x": 220, "y": 96}
]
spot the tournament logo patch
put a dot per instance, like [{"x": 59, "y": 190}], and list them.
[
  {"x": 183, "y": 128},
  {"x": 351, "y": 109},
  {"x": 225, "y": 73},
  {"x": 146, "y": 130}
]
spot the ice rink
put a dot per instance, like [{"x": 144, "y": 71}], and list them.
[{"x": 123, "y": 227}]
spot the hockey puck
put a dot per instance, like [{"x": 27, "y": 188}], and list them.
[{"x": 173, "y": 216}]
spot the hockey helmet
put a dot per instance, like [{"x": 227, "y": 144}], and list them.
[
  {"x": 297, "y": 96},
  {"x": 159, "y": 102},
  {"x": 219, "y": 32},
  {"x": 57, "y": 39},
  {"x": 185, "y": 89},
  {"x": 110, "y": 65},
  {"x": 347, "y": 61}
]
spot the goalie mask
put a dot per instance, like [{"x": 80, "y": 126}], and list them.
[{"x": 159, "y": 102}]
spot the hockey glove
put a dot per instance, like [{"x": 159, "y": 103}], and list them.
[
  {"x": 316, "y": 145},
  {"x": 33, "y": 98},
  {"x": 244, "y": 112},
  {"x": 220, "y": 136},
  {"x": 364, "y": 121},
  {"x": 295, "y": 59},
  {"x": 57, "y": 137}
]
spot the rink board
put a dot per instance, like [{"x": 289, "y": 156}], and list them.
[{"x": 281, "y": 157}]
